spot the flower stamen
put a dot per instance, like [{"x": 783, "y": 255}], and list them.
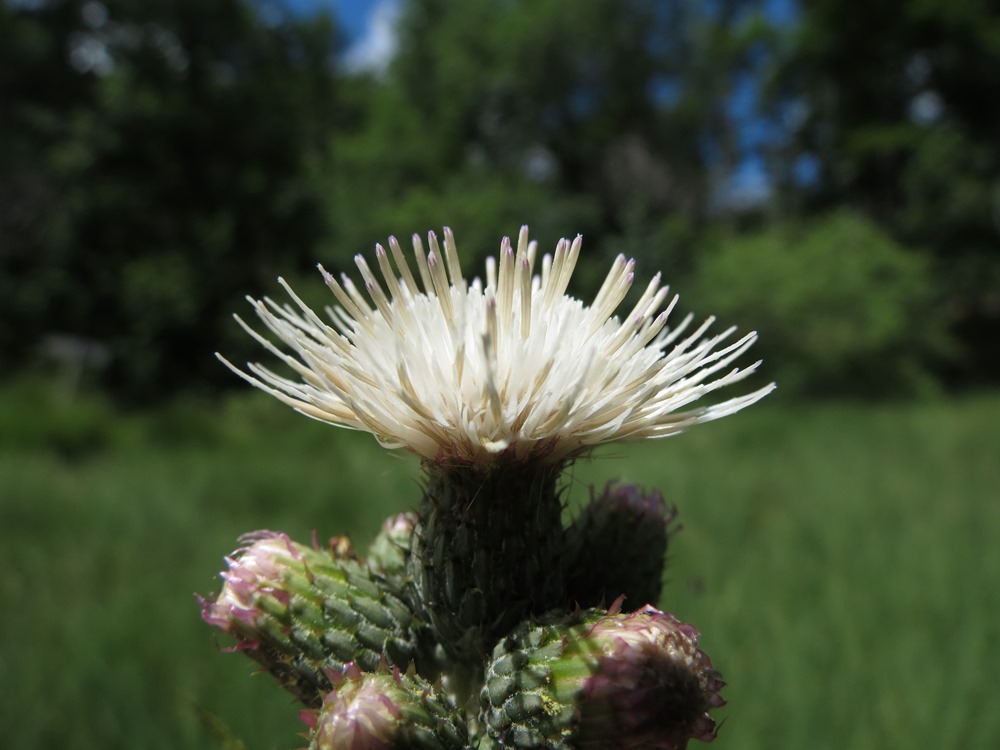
[{"x": 461, "y": 371}]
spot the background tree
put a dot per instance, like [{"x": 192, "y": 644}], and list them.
[
  {"x": 160, "y": 159},
  {"x": 608, "y": 117},
  {"x": 894, "y": 108},
  {"x": 174, "y": 147}
]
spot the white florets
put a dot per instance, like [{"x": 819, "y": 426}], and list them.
[{"x": 456, "y": 371}]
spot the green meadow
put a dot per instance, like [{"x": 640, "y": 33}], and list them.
[{"x": 842, "y": 561}]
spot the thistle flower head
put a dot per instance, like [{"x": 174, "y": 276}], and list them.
[
  {"x": 252, "y": 572},
  {"x": 384, "y": 710},
  {"x": 653, "y": 686},
  {"x": 300, "y": 611},
  {"x": 513, "y": 367},
  {"x": 606, "y": 681},
  {"x": 358, "y": 714}
]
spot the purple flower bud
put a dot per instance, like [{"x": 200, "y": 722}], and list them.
[
  {"x": 617, "y": 546},
  {"x": 652, "y": 686},
  {"x": 255, "y": 571},
  {"x": 385, "y": 711},
  {"x": 602, "y": 681}
]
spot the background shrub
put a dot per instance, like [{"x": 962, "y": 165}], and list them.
[{"x": 840, "y": 306}]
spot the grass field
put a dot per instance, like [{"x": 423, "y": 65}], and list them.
[{"x": 842, "y": 561}]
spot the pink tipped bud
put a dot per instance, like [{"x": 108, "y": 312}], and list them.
[
  {"x": 386, "y": 710},
  {"x": 254, "y": 571},
  {"x": 602, "y": 680},
  {"x": 651, "y": 681},
  {"x": 301, "y": 611}
]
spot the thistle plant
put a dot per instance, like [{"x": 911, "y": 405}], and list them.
[{"x": 481, "y": 619}]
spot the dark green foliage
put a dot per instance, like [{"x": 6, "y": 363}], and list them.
[
  {"x": 159, "y": 161},
  {"x": 840, "y": 307},
  {"x": 896, "y": 105},
  {"x": 570, "y": 116},
  {"x": 37, "y": 416},
  {"x": 158, "y": 180}
]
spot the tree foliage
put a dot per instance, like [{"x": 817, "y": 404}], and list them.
[
  {"x": 839, "y": 305},
  {"x": 160, "y": 159},
  {"x": 591, "y": 117},
  {"x": 896, "y": 106},
  {"x": 164, "y": 164}
]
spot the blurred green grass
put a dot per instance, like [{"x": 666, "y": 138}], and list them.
[{"x": 841, "y": 560}]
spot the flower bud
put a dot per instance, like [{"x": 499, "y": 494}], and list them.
[
  {"x": 601, "y": 680},
  {"x": 299, "y": 611},
  {"x": 385, "y": 711},
  {"x": 617, "y": 547},
  {"x": 391, "y": 548}
]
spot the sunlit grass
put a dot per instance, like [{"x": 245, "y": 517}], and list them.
[{"x": 841, "y": 562}]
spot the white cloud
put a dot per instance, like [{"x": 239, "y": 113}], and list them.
[{"x": 374, "y": 51}]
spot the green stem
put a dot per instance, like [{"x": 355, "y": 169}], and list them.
[{"x": 487, "y": 553}]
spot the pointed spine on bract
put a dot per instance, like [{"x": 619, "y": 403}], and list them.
[
  {"x": 300, "y": 611},
  {"x": 601, "y": 680},
  {"x": 617, "y": 547},
  {"x": 385, "y": 710}
]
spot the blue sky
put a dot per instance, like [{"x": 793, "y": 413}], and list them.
[
  {"x": 354, "y": 15},
  {"x": 366, "y": 23}
]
